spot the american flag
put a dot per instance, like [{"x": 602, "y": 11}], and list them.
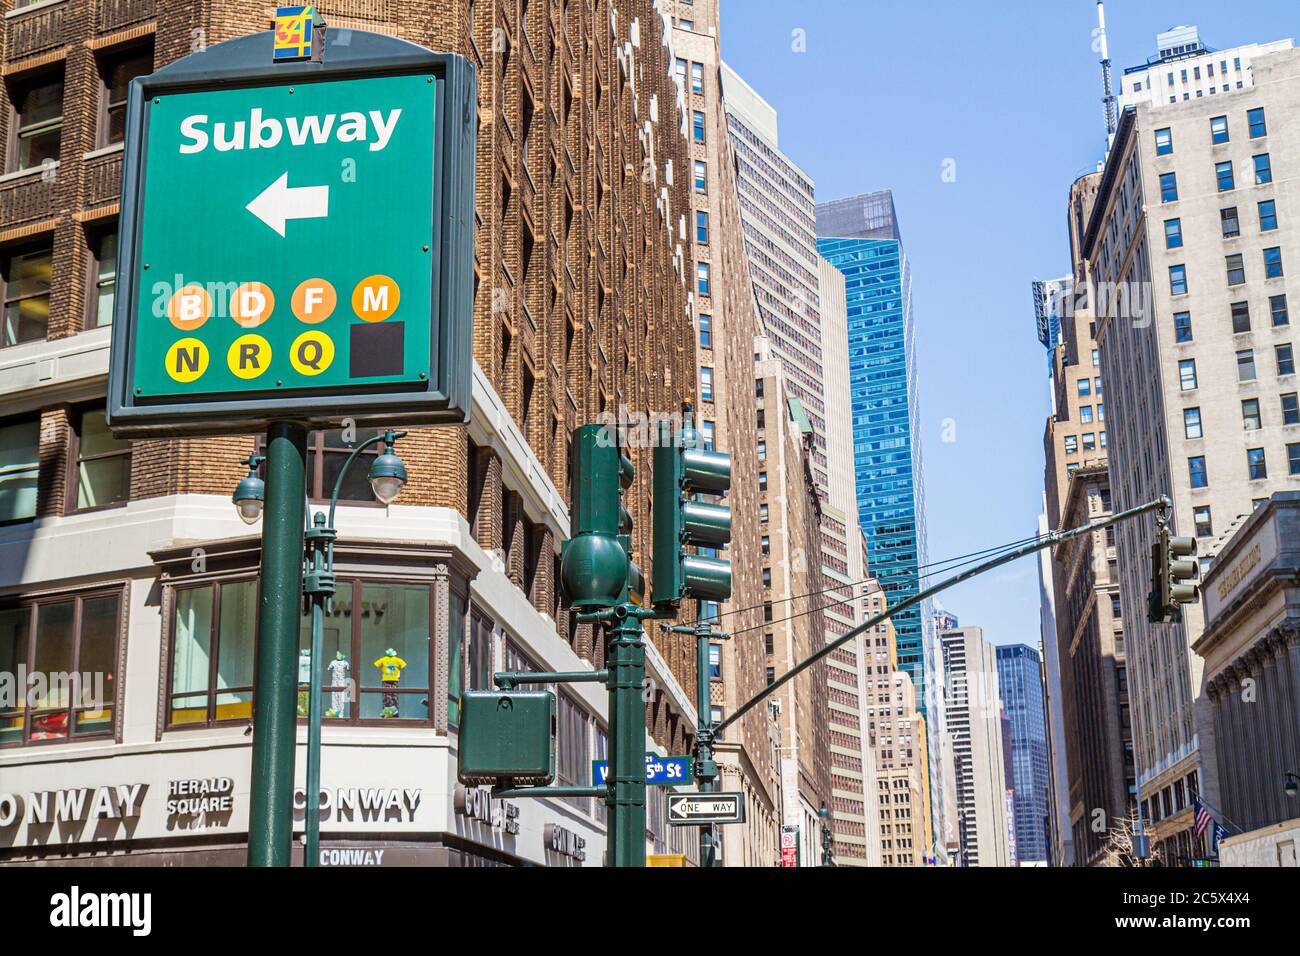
[{"x": 1202, "y": 818}]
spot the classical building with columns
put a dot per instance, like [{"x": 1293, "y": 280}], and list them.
[{"x": 1251, "y": 649}]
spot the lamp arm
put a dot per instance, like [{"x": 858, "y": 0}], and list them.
[{"x": 387, "y": 437}]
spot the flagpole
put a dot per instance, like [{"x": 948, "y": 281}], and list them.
[{"x": 1196, "y": 795}]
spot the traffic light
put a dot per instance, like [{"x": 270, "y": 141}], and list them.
[
  {"x": 682, "y": 468},
  {"x": 1173, "y": 571},
  {"x": 596, "y": 567}
]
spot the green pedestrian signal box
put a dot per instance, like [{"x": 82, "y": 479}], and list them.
[
  {"x": 296, "y": 239},
  {"x": 506, "y": 738},
  {"x": 684, "y": 469}
]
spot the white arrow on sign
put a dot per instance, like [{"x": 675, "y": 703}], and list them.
[{"x": 279, "y": 202}]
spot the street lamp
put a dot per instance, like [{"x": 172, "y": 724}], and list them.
[
  {"x": 1292, "y": 784},
  {"x": 825, "y": 815},
  {"x": 387, "y": 477},
  {"x": 250, "y": 493}
]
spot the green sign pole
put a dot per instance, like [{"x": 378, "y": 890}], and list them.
[
  {"x": 270, "y": 816},
  {"x": 706, "y": 769},
  {"x": 625, "y": 659}
]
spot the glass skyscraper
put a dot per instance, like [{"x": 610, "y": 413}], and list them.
[
  {"x": 1020, "y": 683},
  {"x": 860, "y": 237}
]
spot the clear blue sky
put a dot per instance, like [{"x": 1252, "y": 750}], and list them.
[{"x": 885, "y": 93}]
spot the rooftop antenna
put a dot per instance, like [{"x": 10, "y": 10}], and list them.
[{"x": 1108, "y": 91}]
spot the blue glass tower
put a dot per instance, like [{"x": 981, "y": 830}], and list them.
[
  {"x": 1020, "y": 685},
  {"x": 860, "y": 237}
]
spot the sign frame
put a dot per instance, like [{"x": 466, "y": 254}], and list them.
[
  {"x": 738, "y": 816},
  {"x": 686, "y": 761},
  {"x": 247, "y": 61}
]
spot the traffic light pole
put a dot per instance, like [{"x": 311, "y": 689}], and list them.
[
  {"x": 270, "y": 815},
  {"x": 625, "y": 658},
  {"x": 1046, "y": 541}
]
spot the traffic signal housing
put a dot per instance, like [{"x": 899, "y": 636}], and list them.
[
  {"x": 683, "y": 469},
  {"x": 596, "y": 567},
  {"x": 1173, "y": 574}
]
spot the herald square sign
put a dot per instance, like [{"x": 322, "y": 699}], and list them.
[{"x": 296, "y": 239}]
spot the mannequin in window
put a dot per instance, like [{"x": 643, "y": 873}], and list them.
[
  {"x": 390, "y": 673},
  {"x": 338, "y": 669}
]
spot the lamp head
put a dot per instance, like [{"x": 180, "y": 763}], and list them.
[
  {"x": 250, "y": 493},
  {"x": 387, "y": 473}
]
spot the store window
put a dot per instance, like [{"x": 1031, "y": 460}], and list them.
[
  {"x": 102, "y": 475},
  {"x": 214, "y": 629},
  {"x": 71, "y": 644},
  {"x": 20, "y": 445},
  {"x": 25, "y": 291}
]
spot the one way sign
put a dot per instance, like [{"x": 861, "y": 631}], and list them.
[{"x": 704, "y": 809}]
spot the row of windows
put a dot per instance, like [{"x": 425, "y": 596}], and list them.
[
  {"x": 99, "y": 465},
  {"x": 25, "y": 274},
  {"x": 37, "y": 116},
  {"x": 1283, "y": 355},
  {"x": 1256, "y": 465},
  {"x": 1236, "y": 269},
  {"x": 1256, "y": 124},
  {"x": 1229, "y": 222},
  {"x": 1224, "y": 177},
  {"x": 1239, "y": 314},
  {"x": 1251, "y": 416}
]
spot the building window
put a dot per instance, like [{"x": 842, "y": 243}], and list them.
[
  {"x": 1268, "y": 215},
  {"x": 1182, "y": 326},
  {"x": 1258, "y": 127},
  {"x": 1256, "y": 464},
  {"x": 1240, "y": 317},
  {"x": 761, "y": 448},
  {"x": 702, "y": 227},
  {"x": 1187, "y": 374},
  {"x": 1277, "y": 308},
  {"x": 327, "y": 452},
  {"x": 702, "y": 278},
  {"x": 102, "y": 475},
  {"x": 1089, "y": 441},
  {"x": 1204, "y": 523},
  {"x": 1173, "y": 233},
  {"x": 1246, "y": 365},
  {"x": 1273, "y": 262},
  {"x": 1168, "y": 187},
  {"x": 1223, "y": 173},
  {"x": 1164, "y": 142},
  {"x": 697, "y": 78},
  {"x": 20, "y": 446},
  {"x": 1192, "y": 423},
  {"x": 715, "y": 662},
  {"x": 1196, "y": 471},
  {"x": 73, "y": 641},
  {"x": 1236, "y": 269},
  {"x": 103, "y": 278},
  {"x": 573, "y": 747},
  {"x": 1218, "y": 129},
  {"x": 679, "y": 68},
  {"x": 701, "y": 176},
  {"x": 706, "y": 331},
  {"x": 1285, "y": 359},
  {"x": 1178, "y": 280},
  {"x": 706, "y": 383},
  {"x": 765, "y": 545},
  {"x": 1228, "y": 220},
  {"x": 1290, "y": 409},
  {"x": 1085, "y": 387},
  {"x": 1250, "y": 417},
  {"x": 762, "y": 517},
  {"x": 25, "y": 289},
  {"x": 1263, "y": 170},
  {"x": 697, "y": 126},
  {"x": 706, "y": 430},
  {"x": 116, "y": 74},
  {"x": 38, "y": 118},
  {"x": 1071, "y": 444},
  {"x": 762, "y": 481},
  {"x": 1085, "y": 414},
  {"x": 1293, "y": 458}
]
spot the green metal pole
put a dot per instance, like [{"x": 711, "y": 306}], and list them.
[
  {"x": 705, "y": 768},
  {"x": 311, "y": 853},
  {"x": 625, "y": 658},
  {"x": 270, "y": 815}
]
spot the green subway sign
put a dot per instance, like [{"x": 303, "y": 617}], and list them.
[{"x": 296, "y": 240}]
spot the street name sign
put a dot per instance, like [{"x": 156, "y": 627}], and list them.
[
  {"x": 659, "y": 771},
  {"x": 296, "y": 239},
  {"x": 704, "y": 809}
]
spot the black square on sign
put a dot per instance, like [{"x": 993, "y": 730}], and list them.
[{"x": 377, "y": 348}]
